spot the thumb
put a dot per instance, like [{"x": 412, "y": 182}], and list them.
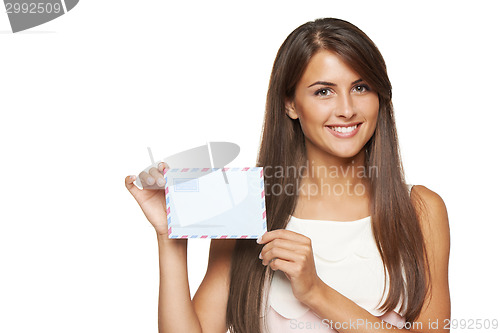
[{"x": 129, "y": 184}]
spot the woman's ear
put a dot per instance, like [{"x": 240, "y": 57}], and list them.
[{"x": 290, "y": 109}]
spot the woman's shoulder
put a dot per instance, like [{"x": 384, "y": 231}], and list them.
[
  {"x": 428, "y": 198},
  {"x": 432, "y": 213},
  {"x": 221, "y": 251}
]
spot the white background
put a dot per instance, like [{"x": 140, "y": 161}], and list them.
[{"x": 82, "y": 97}]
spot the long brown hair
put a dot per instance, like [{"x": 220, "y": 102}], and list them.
[{"x": 395, "y": 223}]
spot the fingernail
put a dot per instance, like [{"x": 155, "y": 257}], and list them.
[
  {"x": 160, "y": 182},
  {"x": 259, "y": 239},
  {"x": 150, "y": 181},
  {"x": 260, "y": 255},
  {"x": 132, "y": 178}
]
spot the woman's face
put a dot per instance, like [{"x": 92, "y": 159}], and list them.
[{"x": 337, "y": 110}]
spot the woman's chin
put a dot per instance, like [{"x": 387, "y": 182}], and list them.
[{"x": 345, "y": 153}]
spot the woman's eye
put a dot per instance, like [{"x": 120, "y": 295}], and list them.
[
  {"x": 361, "y": 88},
  {"x": 323, "y": 92}
]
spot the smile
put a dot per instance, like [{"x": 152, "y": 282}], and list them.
[{"x": 344, "y": 131}]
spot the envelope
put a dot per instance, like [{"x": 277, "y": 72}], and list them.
[{"x": 215, "y": 202}]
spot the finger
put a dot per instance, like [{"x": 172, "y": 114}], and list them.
[
  {"x": 282, "y": 265},
  {"x": 283, "y": 243},
  {"x": 284, "y": 234},
  {"x": 158, "y": 177},
  {"x": 162, "y": 167},
  {"x": 129, "y": 184},
  {"x": 147, "y": 180},
  {"x": 280, "y": 253}
]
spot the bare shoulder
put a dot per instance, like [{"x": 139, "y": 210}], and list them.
[
  {"x": 429, "y": 204},
  {"x": 430, "y": 198},
  {"x": 433, "y": 219},
  {"x": 433, "y": 216},
  {"x": 219, "y": 260},
  {"x": 221, "y": 251}
]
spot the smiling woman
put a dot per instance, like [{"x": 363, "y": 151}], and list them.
[
  {"x": 336, "y": 106},
  {"x": 348, "y": 261},
  {"x": 329, "y": 104}
]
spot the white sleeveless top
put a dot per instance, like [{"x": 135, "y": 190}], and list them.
[{"x": 347, "y": 259}]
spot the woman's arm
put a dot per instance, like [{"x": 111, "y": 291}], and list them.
[
  {"x": 207, "y": 311},
  {"x": 210, "y": 300},
  {"x": 435, "y": 229},
  {"x": 293, "y": 255},
  {"x": 176, "y": 311}
]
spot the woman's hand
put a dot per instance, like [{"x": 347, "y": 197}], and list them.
[
  {"x": 291, "y": 253},
  {"x": 151, "y": 198}
]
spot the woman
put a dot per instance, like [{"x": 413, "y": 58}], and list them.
[{"x": 349, "y": 247}]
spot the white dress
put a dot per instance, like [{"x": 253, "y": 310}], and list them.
[{"x": 347, "y": 259}]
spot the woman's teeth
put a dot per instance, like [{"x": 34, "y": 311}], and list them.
[{"x": 344, "y": 129}]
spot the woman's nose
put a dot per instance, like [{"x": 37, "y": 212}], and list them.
[{"x": 344, "y": 107}]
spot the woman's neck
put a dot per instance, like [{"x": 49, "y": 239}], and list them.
[{"x": 327, "y": 176}]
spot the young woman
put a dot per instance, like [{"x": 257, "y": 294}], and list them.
[{"x": 350, "y": 246}]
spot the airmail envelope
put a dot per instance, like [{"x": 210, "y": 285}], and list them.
[{"x": 215, "y": 202}]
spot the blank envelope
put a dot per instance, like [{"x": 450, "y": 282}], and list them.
[{"x": 215, "y": 202}]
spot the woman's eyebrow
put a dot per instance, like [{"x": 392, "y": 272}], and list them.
[{"x": 326, "y": 83}]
